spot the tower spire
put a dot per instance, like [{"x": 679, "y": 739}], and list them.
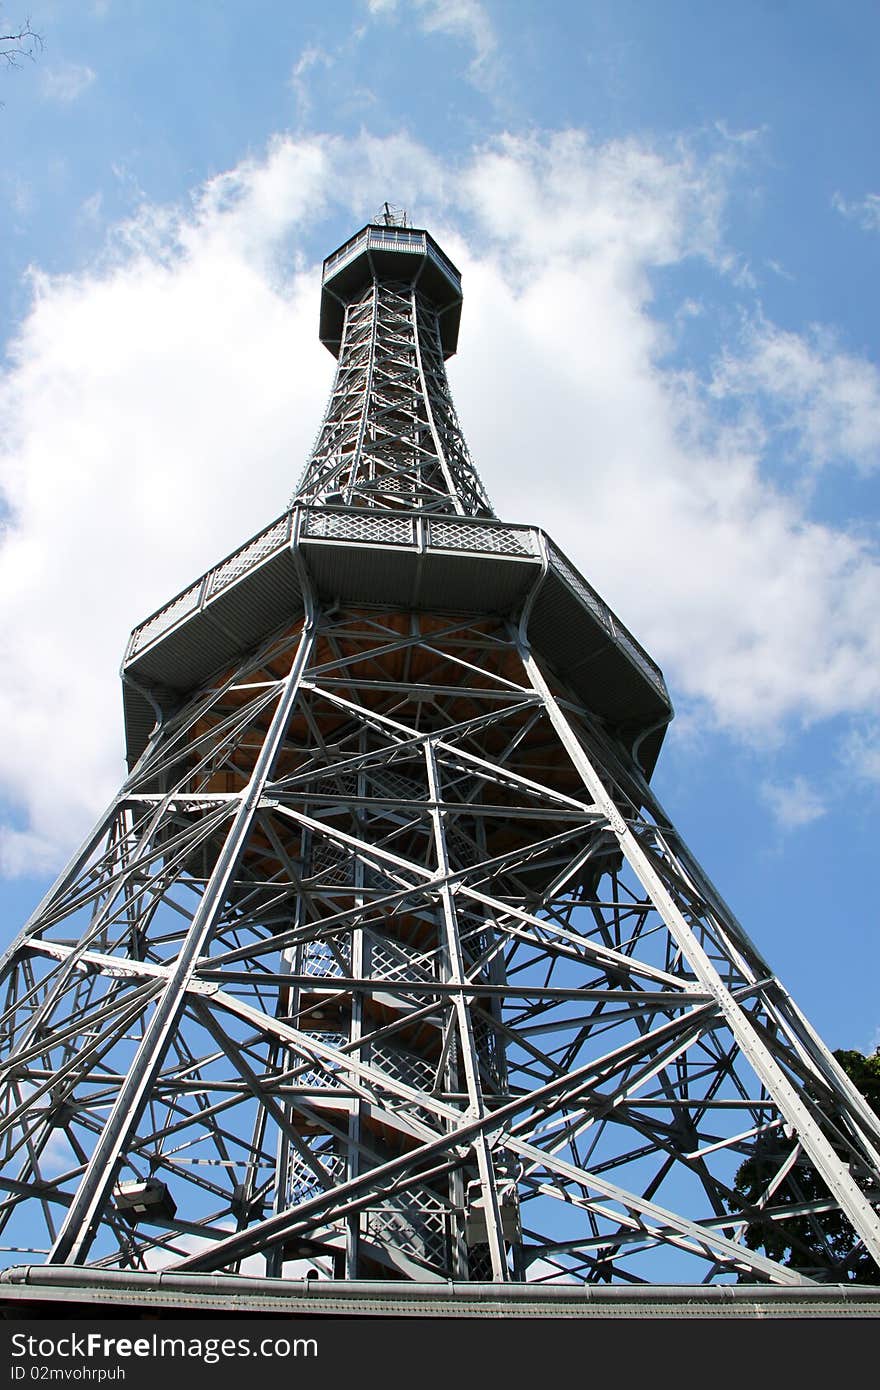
[{"x": 390, "y": 438}]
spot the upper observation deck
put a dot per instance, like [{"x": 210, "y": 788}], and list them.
[{"x": 396, "y": 254}]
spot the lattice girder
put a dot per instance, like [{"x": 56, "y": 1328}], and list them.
[{"x": 391, "y": 437}]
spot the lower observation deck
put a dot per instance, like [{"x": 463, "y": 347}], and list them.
[{"x": 405, "y": 560}]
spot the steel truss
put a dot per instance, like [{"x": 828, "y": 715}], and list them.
[
  {"x": 391, "y": 437},
  {"x": 382, "y": 931},
  {"x": 387, "y": 962}
]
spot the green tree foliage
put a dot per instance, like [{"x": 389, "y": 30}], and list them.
[
  {"x": 820, "y": 1244},
  {"x": 864, "y": 1072}
]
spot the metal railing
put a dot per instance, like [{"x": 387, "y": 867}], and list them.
[
  {"x": 474, "y": 535},
  {"x": 270, "y": 540},
  {"x": 390, "y": 239},
  {"x": 609, "y": 620}
]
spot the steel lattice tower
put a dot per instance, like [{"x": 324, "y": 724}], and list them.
[{"x": 385, "y": 961}]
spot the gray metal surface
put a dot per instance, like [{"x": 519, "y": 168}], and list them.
[
  {"x": 385, "y": 962},
  {"x": 88, "y": 1289}
]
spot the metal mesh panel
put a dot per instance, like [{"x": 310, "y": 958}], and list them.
[
  {"x": 337, "y": 784},
  {"x": 461, "y": 847},
  {"x": 376, "y": 880},
  {"x": 611, "y": 624},
  {"x": 479, "y": 1264},
  {"x": 331, "y": 863},
  {"x": 591, "y": 599},
  {"x": 419, "y": 1229},
  {"x": 273, "y": 538},
  {"x": 166, "y": 618},
  {"x": 304, "y": 1182},
  {"x": 320, "y": 961},
  {"x": 499, "y": 540},
  {"x": 644, "y": 663},
  {"x": 398, "y": 483},
  {"x": 488, "y": 1051},
  {"x": 404, "y": 1066},
  {"x": 393, "y": 960},
  {"x": 320, "y": 1077},
  {"x": 244, "y": 559},
  {"x": 384, "y": 782},
  {"x": 358, "y": 525}
]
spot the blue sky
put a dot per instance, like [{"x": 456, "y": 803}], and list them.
[{"x": 668, "y": 222}]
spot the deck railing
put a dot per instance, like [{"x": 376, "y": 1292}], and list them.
[{"x": 363, "y": 526}]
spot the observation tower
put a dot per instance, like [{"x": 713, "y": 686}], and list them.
[{"x": 385, "y": 963}]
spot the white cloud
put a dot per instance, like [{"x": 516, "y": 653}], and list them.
[
  {"x": 467, "y": 20},
  {"x": 156, "y": 413},
  {"x": 861, "y": 752},
  {"x": 312, "y": 57},
  {"x": 866, "y": 212},
  {"x": 320, "y": 77},
  {"x": 545, "y": 199},
  {"x": 66, "y": 81},
  {"x": 793, "y": 804},
  {"x": 827, "y": 400},
  {"x": 18, "y": 194},
  {"x": 91, "y": 209},
  {"x": 758, "y": 611},
  {"x": 159, "y": 407}
]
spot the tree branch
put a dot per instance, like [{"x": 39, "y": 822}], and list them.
[{"x": 24, "y": 42}]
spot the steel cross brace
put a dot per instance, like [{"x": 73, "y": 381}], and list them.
[
  {"x": 859, "y": 1210},
  {"x": 78, "y": 1229}
]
